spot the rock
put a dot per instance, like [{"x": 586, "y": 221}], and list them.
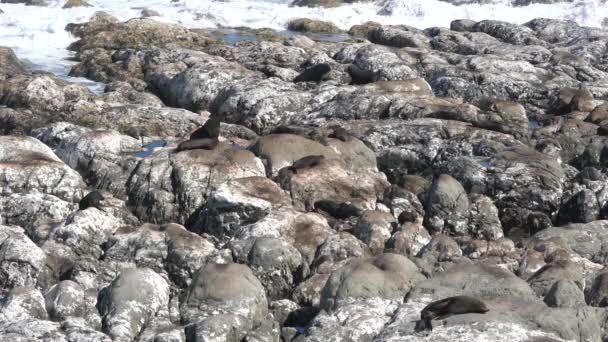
[
  {"x": 309, "y": 25},
  {"x": 386, "y": 276},
  {"x": 596, "y": 295},
  {"x": 587, "y": 240},
  {"x": 317, "y": 3},
  {"x": 76, "y": 3},
  {"x": 21, "y": 261},
  {"x": 11, "y": 65},
  {"x": 85, "y": 231},
  {"x": 64, "y": 300},
  {"x": 543, "y": 280},
  {"x": 281, "y": 150},
  {"x": 23, "y": 303},
  {"x": 132, "y": 299},
  {"x": 107, "y": 33},
  {"x": 333, "y": 180},
  {"x": 565, "y": 294},
  {"x": 581, "y": 208},
  {"x": 441, "y": 248},
  {"x": 462, "y": 25},
  {"x": 509, "y": 33},
  {"x": 363, "y": 29},
  {"x": 374, "y": 228},
  {"x": 168, "y": 248},
  {"x": 240, "y": 202},
  {"x": 409, "y": 240},
  {"x": 399, "y": 37},
  {"x": 35, "y": 212},
  {"x": 277, "y": 264},
  {"x": 484, "y": 222},
  {"x": 447, "y": 207},
  {"x": 99, "y": 155},
  {"x": 197, "y": 174},
  {"x": 374, "y": 63},
  {"x": 226, "y": 299},
  {"x": 146, "y": 13},
  {"x": 30, "y": 165},
  {"x": 26, "y": 2}
]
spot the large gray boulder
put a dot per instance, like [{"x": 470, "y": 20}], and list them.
[
  {"x": 29, "y": 165},
  {"x": 131, "y": 301},
  {"x": 226, "y": 299},
  {"x": 173, "y": 187},
  {"x": 386, "y": 276},
  {"x": 447, "y": 207}
]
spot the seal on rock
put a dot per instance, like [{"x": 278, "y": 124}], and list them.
[
  {"x": 209, "y": 130},
  {"x": 337, "y": 210},
  {"x": 313, "y": 74},
  {"x": 360, "y": 76},
  {"x": 340, "y": 133},
  {"x": 92, "y": 199},
  {"x": 306, "y": 162},
  {"x": 195, "y": 144},
  {"x": 450, "y": 306}
]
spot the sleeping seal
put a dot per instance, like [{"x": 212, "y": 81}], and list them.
[
  {"x": 306, "y": 162},
  {"x": 337, "y": 210},
  {"x": 313, "y": 74},
  {"x": 450, "y": 306}
]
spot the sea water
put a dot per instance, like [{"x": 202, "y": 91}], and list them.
[{"x": 38, "y": 36}]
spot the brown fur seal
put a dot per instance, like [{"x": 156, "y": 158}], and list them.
[
  {"x": 337, "y": 210},
  {"x": 340, "y": 133},
  {"x": 211, "y": 129},
  {"x": 204, "y": 144},
  {"x": 92, "y": 199},
  {"x": 360, "y": 76},
  {"x": 314, "y": 74},
  {"x": 450, "y": 306},
  {"x": 306, "y": 162}
]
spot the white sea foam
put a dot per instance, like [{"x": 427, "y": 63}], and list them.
[{"x": 37, "y": 33}]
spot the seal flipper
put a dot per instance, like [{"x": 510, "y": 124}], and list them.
[{"x": 423, "y": 325}]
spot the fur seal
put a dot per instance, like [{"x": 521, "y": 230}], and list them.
[
  {"x": 211, "y": 129},
  {"x": 313, "y": 74},
  {"x": 306, "y": 162},
  {"x": 450, "y": 306},
  {"x": 195, "y": 144},
  {"x": 337, "y": 210},
  {"x": 340, "y": 133},
  {"x": 407, "y": 216},
  {"x": 360, "y": 76},
  {"x": 92, "y": 199}
]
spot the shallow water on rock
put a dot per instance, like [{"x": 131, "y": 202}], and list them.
[{"x": 150, "y": 148}]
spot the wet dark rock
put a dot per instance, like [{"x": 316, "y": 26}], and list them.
[{"x": 583, "y": 207}]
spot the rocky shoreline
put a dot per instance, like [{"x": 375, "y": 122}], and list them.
[{"x": 463, "y": 161}]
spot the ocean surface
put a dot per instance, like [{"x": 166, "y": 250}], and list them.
[{"x": 37, "y": 33}]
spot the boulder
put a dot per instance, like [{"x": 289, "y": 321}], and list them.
[{"x": 131, "y": 301}]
